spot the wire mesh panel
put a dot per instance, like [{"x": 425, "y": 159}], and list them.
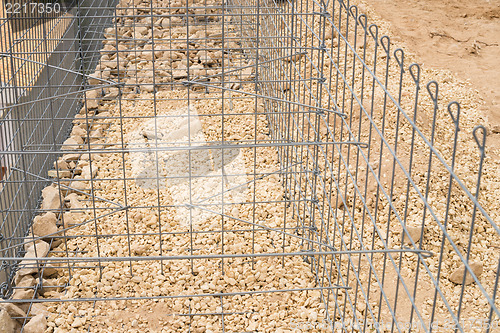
[
  {"x": 33, "y": 47},
  {"x": 240, "y": 166}
]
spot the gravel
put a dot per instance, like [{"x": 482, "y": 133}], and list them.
[{"x": 144, "y": 221}]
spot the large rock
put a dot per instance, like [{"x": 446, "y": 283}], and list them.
[
  {"x": 51, "y": 198},
  {"x": 457, "y": 276},
  {"x": 70, "y": 144},
  {"x": 68, "y": 220},
  {"x": 71, "y": 157},
  {"x": 92, "y": 104},
  {"x": 27, "y": 281},
  {"x": 49, "y": 270},
  {"x": 29, "y": 266},
  {"x": 39, "y": 250},
  {"x": 50, "y": 285},
  {"x": 59, "y": 173},
  {"x": 205, "y": 57},
  {"x": 414, "y": 232},
  {"x": 148, "y": 87},
  {"x": 45, "y": 224},
  {"x": 79, "y": 186},
  {"x": 61, "y": 165},
  {"x": 37, "y": 324},
  {"x": 23, "y": 293},
  {"x": 74, "y": 202},
  {"x": 7, "y": 325},
  {"x": 78, "y": 131},
  {"x": 86, "y": 174},
  {"x": 38, "y": 308},
  {"x": 12, "y": 310},
  {"x": 78, "y": 139}
]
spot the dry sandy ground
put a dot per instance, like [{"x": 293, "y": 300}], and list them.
[{"x": 457, "y": 35}]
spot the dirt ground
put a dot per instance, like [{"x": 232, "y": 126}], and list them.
[{"x": 461, "y": 36}]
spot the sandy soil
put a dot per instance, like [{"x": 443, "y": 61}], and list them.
[{"x": 456, "y": 35}]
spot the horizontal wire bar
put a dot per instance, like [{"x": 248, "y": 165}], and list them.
[
  {"x": 424, "y": 253},
  {"x": 227, "y": 294}
]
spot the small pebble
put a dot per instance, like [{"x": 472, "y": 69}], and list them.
[{"x": 457, "y": 276}]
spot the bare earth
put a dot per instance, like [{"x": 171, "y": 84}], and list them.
[{"x": 461, "y": 36}]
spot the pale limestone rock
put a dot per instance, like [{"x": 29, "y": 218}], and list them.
[
  {"x": 49, "y": 270},
  {"x": 74, "y": 202},
  {"x": 414, "y": 232},
  {"x": 71, "y": 157},
  {"x": 457, "y": 276},
  {"x": 51, "y": 198},
  {"x": 49, "y": 285},
  {"x": 61, "y": 165},
  {"x": 45, "y": 224},
  {"x": 79, "y": 186},
  {"x": 59, "y": 174},
  {"x": 38, "y": 308},
  {"x": 180, "y": 73},
  {"x": 78, "y": 139},
  {"x": 27, "y": 281},
  {"x": 12, "y": 310},
  {"x": 23, "y": 293},
  {"x": 205, "y": 57},
  {"x": 148, "y": 87},
  {"x": 112, "y": 94},
  {"x": 27, "y": 267},
  {"x": 39, "y": 250},
  {"x": 7, "y": 325},
  {"x": 70, "y": 144},
  {"x": 86, "y": 174},
  {"x": 55, "y": 243},
  {"x": 37, "y": 324},
  {"x": 67, "y": 220},
  {"x": 78, "y": 131}
]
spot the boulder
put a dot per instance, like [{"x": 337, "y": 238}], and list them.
[
  {"x": 73, "y": 202},
  {"x": 23, "y": 293},
  {"x": 457, "y": 276},
  {"x": 51, "y": 198},
  {"x": 71, "y": 144},
  {"x": 38, "y": 308},
  {"x": 7, "y": 325},
  {"x": 37, "y": 324},
  {"x": 59, "y": 174},
  {"x": 39, "y": 250},
  {"x": 45, "y": 224},
  {"x": 12, "y": 310}
]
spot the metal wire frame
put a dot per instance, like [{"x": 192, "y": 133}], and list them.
[
  {"x": 40, "y": 61},
  {"x": 330, "y": 131}
]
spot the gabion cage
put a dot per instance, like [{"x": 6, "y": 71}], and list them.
[{"x": 234, "y": 166}]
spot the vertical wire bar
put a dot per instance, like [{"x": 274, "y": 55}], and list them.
[
  {"x": 374, "y": 36},
  {"x": 399, "y": 56},
  {"x": 122, "y": 144},
  {"x": 157, "y": 159},
  {"x": 223, "y": 74},
  {"x": 256, "y": 106},
  {"x": 456, "y": 121},
  {"x": 481, "y": 143},
  {"x": 493, "y": 297},
  {"x": 434, "y": 95}
]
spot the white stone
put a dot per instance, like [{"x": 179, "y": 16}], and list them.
[
  {"x": 37, "y": 324},
  {"x": 7, "y": 325},
  {"x": 51, "y": 198}
]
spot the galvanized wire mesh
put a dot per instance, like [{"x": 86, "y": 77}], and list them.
[{"x": 218, "y": 138}]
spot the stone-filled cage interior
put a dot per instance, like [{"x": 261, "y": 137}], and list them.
[{"x": 234, "y": 166}]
